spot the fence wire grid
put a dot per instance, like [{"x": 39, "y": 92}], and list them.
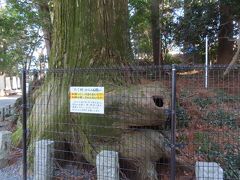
[
  {"x": 132, "y": 130},
  {"x": 6, "y": 112}
]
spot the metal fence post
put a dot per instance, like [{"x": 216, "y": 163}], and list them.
[
  {"x": 206, "y": 63},
  {"x": 24, "y": 125},
  {"x": 3, "y": 114},
  {"x": 173, "y": 124},
  {"x": 9, "y": 110}
]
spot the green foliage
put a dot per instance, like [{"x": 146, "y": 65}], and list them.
[
  {"x": 186, "y": 23},
  {"x": 231, "y": 162},
  {"x": 206, "y": 147},
  {"x": 20, "y": 24},
  {"x": 221, "y": 118},
  {"x": 199, "y": 18},
  {"x": 169, "y": 59},
  {"x": 212, "y": 152},
  {"x": 222, "y": 96},
  {"x": 202, "y": 102},
  {"x": 17, "y": 136},
  {"x": 229, "y": 159},
  {"x": 201, "y": 139},
  {"x": 235, "y": 7},
  {"x": 182, "y": 117},
  {"x": 140, "y": 25},
  {"x": 185, "y": 93}
]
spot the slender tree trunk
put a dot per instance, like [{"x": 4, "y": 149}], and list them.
[
  {"x": 156, "y": 41},
  {"x": 45, "y": 13},
  {"x": 225, "y": 47},
  {"x": 236, "y": 56},
  {"x": 186, "y": 5}
]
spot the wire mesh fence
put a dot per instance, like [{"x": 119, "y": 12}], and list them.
[
  {"x": 117, "y": 123},
  {"x": 208, "y": 120},
  {"x": 6, "y": 112}
]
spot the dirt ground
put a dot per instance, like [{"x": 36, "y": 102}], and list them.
[{"x": 212, "y": 121}]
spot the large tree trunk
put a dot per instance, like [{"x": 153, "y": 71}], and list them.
[
  {"x": 225, "y": 45},
  {"x": 91, "y": 34}
]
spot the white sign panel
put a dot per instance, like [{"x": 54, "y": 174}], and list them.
[
  {"x": 87, "y": 100},
  {"x": 2, "y": 82},
  {"x": 14, "y": 82},
  {"x": 8, "y": 83}
]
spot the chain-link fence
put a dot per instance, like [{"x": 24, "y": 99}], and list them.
[
  {"x": 134, "y": 123},
  {"x": 208, "y": 120}
]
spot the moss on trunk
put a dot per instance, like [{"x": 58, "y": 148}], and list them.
[{"x": 91, "y": 34}]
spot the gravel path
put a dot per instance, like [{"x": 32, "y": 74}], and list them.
[
  {"x": 7, "y": 100},
  {"x": 11, "y": 172}
]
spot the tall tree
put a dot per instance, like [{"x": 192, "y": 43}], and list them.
[
  {"x": 94, "y": 33},
  {"x": 225, "y": 35},
  {"x": 140, "y": 28},
  {"x": 84, "y": 27},
  {"x": 156, "y": 40},
  {"x": 151, "y": 28},
  {"x": 20, "y": 26},
  {"x": 199, "y": 18},
  {"x": 19, "y": 35},
  {"x": 44, "y": 9}
]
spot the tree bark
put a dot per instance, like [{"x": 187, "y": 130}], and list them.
[
  {"x": 236, "y": 56},
  {"x": 94, "y": 33},
  {"x": 187, "y": 13},
  {"x": 45, "y": 14},
  {"x": 225, "y": 47},
  {"x": 156, "y": 41},
  {"x": 90, "y": 33},
  {"x": 47, "y": 31}
]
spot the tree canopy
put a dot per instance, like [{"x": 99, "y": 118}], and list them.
[
  {"x": 26, "y": 25},
  {"x": 21, "y": 26}
]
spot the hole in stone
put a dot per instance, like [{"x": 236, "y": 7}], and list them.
[{"x": 158, "y": 101}]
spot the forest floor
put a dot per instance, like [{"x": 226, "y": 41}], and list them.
[
  {"x": 208, "y": 122},
  {"x": 14, "y": 168}
]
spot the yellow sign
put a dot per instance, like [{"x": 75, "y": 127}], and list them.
[
  {"x": 87, "y": 100},
  {"x": 87, "y": 96}
]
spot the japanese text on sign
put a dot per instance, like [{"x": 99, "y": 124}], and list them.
[{"x": 87, "y": 100}]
